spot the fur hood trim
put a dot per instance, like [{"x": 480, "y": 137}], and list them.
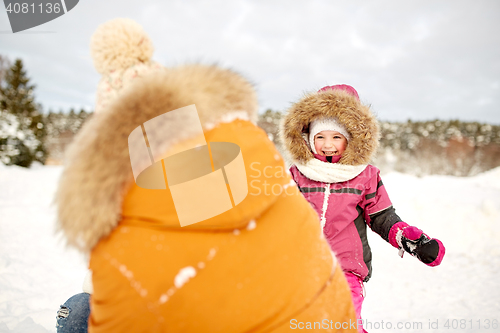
[
  {"x": 351, "y": 113},
  {"x": 98, "y": 173}
]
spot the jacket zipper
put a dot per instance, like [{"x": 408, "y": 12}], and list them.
[{"x": 325, "y": 206}]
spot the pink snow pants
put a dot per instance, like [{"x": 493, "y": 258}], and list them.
[{"x": 357, "y": 294}]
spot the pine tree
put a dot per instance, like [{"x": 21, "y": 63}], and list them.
[
  {"x": 4, "y": 65},
  {"x": 23, "y": 131}
]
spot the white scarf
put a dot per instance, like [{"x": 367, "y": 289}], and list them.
[{"x": 329, "y": 172}]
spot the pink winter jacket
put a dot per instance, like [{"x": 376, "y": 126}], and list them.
[
  {"x": 345, "y": 209},
  {"x": 347, "y": 194}
]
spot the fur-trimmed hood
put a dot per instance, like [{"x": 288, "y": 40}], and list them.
[
  {"x": 98, "y": 170},
  {"x": 349, "y": 111}
]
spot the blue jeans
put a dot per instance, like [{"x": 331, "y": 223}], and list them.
[{"x": 73, "y": 315}]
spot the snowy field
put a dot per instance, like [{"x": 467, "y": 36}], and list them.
[{"x": 37, "y": 273}]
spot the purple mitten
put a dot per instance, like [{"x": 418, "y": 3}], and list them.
[{"x": 428, "y": 250}]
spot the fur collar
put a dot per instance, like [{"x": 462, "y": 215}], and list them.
[
  {"x": 356, "y": 117},
  {"x": 97, "y": 170}
]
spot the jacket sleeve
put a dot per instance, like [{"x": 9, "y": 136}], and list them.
[{"x": 379, "y": 213}]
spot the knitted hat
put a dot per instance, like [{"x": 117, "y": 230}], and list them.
[
  {"x": 119, "y": 43},
  {"x": 325, "y": 124},
  {"x": 122, "y": 52},
  {"x": 347, "y": 88}
]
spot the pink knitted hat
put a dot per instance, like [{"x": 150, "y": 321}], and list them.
[{"x": 343, "y": 87}]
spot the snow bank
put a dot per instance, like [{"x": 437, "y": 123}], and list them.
[
  {"x": 37, "y": 273},
  {"x": 463, "y": 213}
]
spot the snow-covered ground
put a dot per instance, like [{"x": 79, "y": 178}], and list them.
[
  {"x": 463, "y": 293},
  {"x": 37, "y": 273}
]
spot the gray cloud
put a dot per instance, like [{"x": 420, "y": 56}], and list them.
[{"x": 418, "y": 59}]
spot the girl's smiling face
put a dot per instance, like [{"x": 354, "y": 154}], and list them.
[{"x": 330, "y": 143}]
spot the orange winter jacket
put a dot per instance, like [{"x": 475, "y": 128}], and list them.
[{"x": 260, "y": 266}]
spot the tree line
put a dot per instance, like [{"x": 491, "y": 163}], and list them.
[
  {"x": 450, "y": 147},
  {"x": 27, "y": 134}
]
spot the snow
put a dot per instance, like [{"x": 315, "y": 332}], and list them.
[
  {"x": 184, "y": 276},
  {"x": 228, "y": 118},
  {"x": 211, "y": 254},
  {"x": 251, "y": 225},
  {"x": 38, "y": 273},
  {"x": 462, "y": 213}
]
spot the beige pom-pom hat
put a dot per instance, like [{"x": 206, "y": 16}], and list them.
[{"x": 121, "y": 51}]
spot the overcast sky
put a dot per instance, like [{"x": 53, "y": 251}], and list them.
[{"x": 409, "y": 59}]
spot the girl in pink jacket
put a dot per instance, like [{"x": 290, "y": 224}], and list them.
[{"x": 331, "y": 137}]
